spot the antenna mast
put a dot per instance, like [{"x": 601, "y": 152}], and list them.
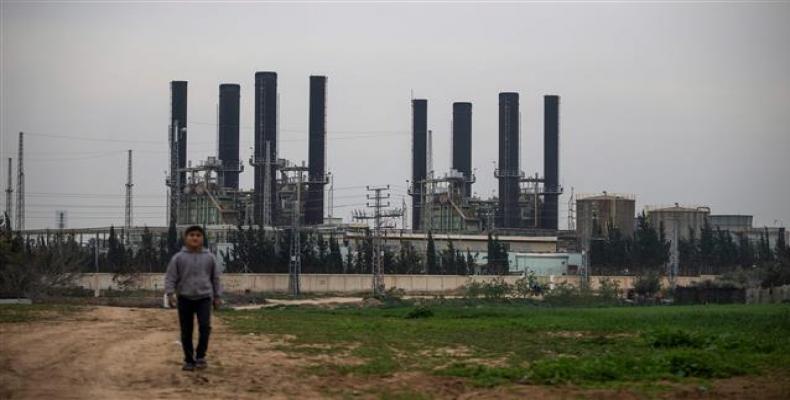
[
  {"x": 9, "y": 190},
  {"x": 20, "y": 185},
  {"x": 128, "y": 219}
]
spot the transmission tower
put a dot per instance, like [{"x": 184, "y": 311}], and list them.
[
  {"x": 571, "y": 212},
  {"x": 128, "y": 219},
  {"x": 9, "y": 190},
  {"x": 376, "y": 201},
  {"x": 20, "y": 185},
  {"x": 295, "y": 264}
]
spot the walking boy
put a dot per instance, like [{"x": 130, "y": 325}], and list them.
[{"x": 193, "y": 275}]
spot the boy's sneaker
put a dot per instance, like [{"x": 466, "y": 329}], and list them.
[
  {"x": 188, "y": 367},
  {"x": 201, "y": 363}
]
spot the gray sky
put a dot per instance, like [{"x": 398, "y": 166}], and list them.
[{"x": 673, "y": 102}]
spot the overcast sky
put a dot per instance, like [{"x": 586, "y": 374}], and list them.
[{"x": 673, "y": 102}]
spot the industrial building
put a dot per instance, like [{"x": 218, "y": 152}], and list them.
[
  {"x": 446, "y": 203},
  {"x": 596, "y": 214},
  {"x": 683, "y": 221},
  {"x": 207, "y": 192}
]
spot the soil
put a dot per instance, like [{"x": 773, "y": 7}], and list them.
[{"x": 129, "y": 353}]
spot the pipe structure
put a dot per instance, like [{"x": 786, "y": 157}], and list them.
[
  {"x": 551, "y": 156},
  {"x": 462, "y": 143},
  {"x": 419, "y": 164},
  {"x": 265, "y": 132},
  {"x": 228, "y": 141},
  {"x": 314, "y": 203},
  {"x": 508, "y": 172}
]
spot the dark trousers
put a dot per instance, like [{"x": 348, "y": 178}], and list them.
[{"x": 186, "y": 317}]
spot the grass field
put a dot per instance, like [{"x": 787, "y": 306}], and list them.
[{"x": 495, "y": 344}]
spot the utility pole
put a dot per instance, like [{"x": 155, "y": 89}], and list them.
[
  {"x": 128, "y": 219},
  {"x": 96, "y": 266},
  {"x": 379, "y": 213},
  {"x": 20, "y": 185},
  {"x": 674, "y": 254},
  {"x": 331, "y": 201},
  {"x": 295, "y": 264},
  {"x": 9, "y": 190}
]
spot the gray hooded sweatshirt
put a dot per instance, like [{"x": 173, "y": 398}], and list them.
[{"x": 193, "y": 275}]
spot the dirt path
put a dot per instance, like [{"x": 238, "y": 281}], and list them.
[{"x": 126, "y": 353}]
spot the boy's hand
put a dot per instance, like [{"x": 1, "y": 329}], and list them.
[
  {"x": 171, "y": 300},
  {"x": 217, "y": 303}
]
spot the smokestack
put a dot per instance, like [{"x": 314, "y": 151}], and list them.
[
  {"x": 419, "y": 162},
  {"x": 462, "y": 142},
  {"x": 265, "y": 131},
  {"x": 551, "y": 156},
  {"x": 314, "y": 205},
  {"x": 178, "y": 118},
  {"x": 508, "y": 172},
  {"x": 228, "y": 143}
]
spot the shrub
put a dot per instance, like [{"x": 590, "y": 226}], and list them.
[
  {"x": 702, "y": 364},
  {"x": 420, "y": 311},
  {"x": 647, "y": 285},
  {"x": 674, "y": 338},
  {"x": 496, "y": 289},
  {"x": 527, "y": 286},
  {"x": 608, "y": 289}
]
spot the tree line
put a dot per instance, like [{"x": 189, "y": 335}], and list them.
[{"x": 714, "y": 252}]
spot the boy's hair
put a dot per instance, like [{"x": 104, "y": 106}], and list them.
[{"x": 194, "y": 228}]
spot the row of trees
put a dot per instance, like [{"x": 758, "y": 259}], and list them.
[
  {"x": 714, "y": 252},
  {"x": 260, "y": 251}
]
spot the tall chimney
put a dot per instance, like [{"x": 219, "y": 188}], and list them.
[
  {"x": 314, "y": 204},
  {"x": 551, "y": 156},
  {"x": 419, "y": 162},
  {"x": 265, "y": 131},
  {"x": 228, "y": 143},
  {"x": 509, "y": 215},
  {"x": 178, "y": 118},
  {"x": 462, "y": 142}
]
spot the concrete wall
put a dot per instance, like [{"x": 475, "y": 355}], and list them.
[
  {"x": 352, "y": 283},
  {"x": 768, "y": 295}
]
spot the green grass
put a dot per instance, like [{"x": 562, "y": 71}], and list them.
[
  {"x": 492, "y": 344},
  {"x": 32, "y": 312}
]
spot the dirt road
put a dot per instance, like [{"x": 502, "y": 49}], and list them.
[{"x": 126, "y": 353}]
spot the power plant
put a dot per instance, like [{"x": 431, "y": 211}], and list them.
[{"x": 208, "y": 192}]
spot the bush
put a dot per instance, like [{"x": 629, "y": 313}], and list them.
[
  {"x": 674, "y": 338},
  {"x": 609, "y": 290},
  {"x": 702, "y": 364},
  {"x": 527, "y": 286},
  {"x": 647, "y": 285},
  {"x": 494, "y": 290},
  {"x": 420, "y": 311}
]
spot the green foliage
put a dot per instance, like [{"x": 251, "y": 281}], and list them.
[
  {"x": 527, "y": 286},
  {"x": 491, "y": 344},
  {"x": 498, "y": 261},
  {"x": 647, "y": 285},
  {"x": 609, "y": 290},
  {"x": 420, "y": 311},
  {"x": 431, "y": 265}
]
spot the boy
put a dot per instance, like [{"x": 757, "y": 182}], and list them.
[{"x": 193, "y": 275}]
